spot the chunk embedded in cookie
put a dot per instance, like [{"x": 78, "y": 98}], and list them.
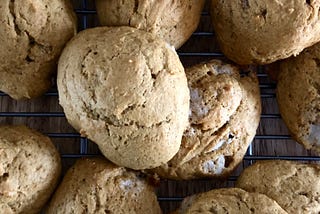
[
  {"x": 224, "y": 115},
  {"x": 97, "y": 186}
]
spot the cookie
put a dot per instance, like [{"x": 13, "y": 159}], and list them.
[
  {"x": 29, "y": 170},
  {"x": 262, "y": 32},
  {"x": 298, "y": 96},
  {"x": 32, "y": 35},
  {"x": 126, "y": 90},
  {"x": 231, "y": 201},
  {"x": 224, "y": 114},
  {"x": 173, "y": 21},
  {"x": 98, "y": 186},
  {"x": 294, "y": 186}
]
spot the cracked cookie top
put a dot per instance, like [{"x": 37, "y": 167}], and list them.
[
  {"x": 261, "y": 32},
  {"x": 223, "y": 118},
  {"x": 173, "y": 21},
  {"x": 97, "y": 186},
  {"x": 29, "y": 170},
  {"x": 32, "y": 35},
  {"x": 294, "y": 186},
  {"x": 126, "y": 90},
  {"x": 298, "y": 96},
  {"x": 229, "y": 200}
]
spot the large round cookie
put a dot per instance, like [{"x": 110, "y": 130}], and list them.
[
  {"x": 298, "y": 96},
  {"x": 98, "y": 186},
  {"x": 29, "y": 170},
  {"x": 32, "y": 35},
  {"x": 224, "y": 115},
  {"x": 262, "y": 32},
  {"x": 126, "y": 90},
  {"x": 231, "y": 201},
  {"x": 173, "y": 21},
  {"x": 294, "y": 186}
]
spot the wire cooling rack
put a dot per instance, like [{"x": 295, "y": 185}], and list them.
[{"x": 272, "y": 140}]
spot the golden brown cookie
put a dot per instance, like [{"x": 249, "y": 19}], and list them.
[
  {"x": 294, "y": 186},
  {"x": 29, "y": 170},
  {"x": 173, "y": 21},
  {"x": 255, "y": 31},
  {"x": 298, "y": 96},
  {"x": 229, "y": 201},
  {"x": 224, "y": 115},
  {"x": 98, "y": 186},
  {"x": 32, "y": 35},
  {"x": 126, "y": 90}
]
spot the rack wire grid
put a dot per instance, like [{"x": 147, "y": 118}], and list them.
[{"x": 272, "y": 140}]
